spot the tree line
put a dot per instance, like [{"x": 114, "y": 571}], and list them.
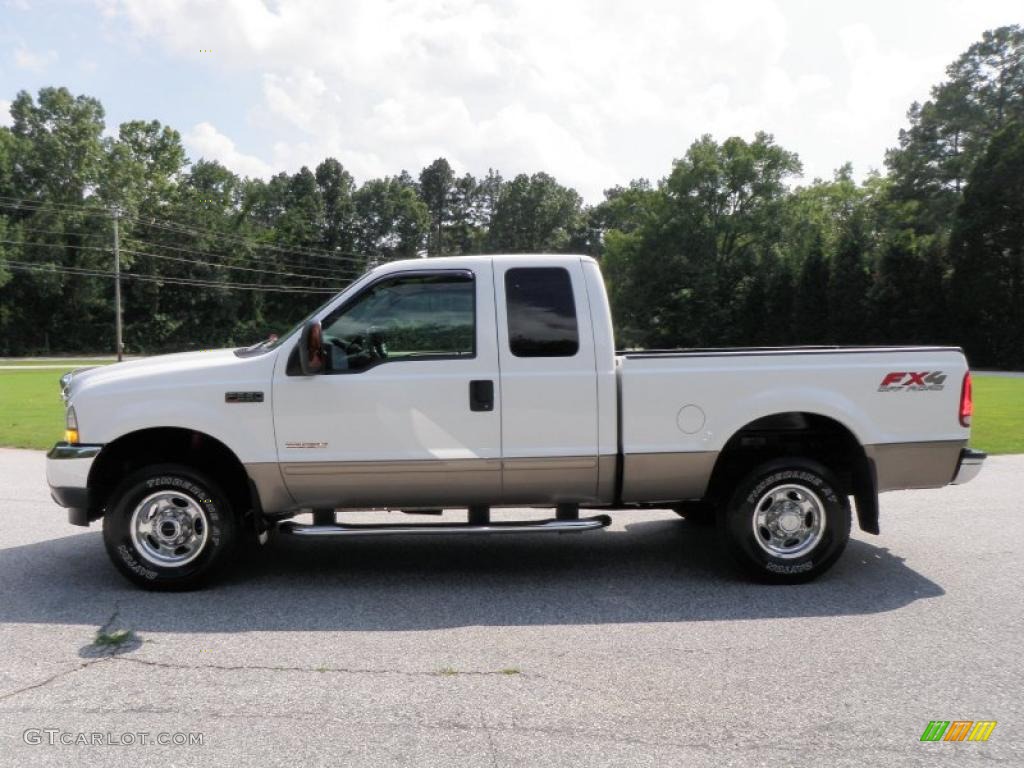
[{"x": 726, "y": 249}]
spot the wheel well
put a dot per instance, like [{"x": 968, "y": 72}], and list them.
[
  {"x": 809, "y": 435},
  {"x": 170, "y": 444}
]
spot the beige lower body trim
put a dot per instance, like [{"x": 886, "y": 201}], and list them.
[
  {"x": 434, "y": 482},
  {"x": 915, "y": 465},
  {"x": 666, "y": 476},
  {"x": 607, "y": 467},
  {"x": 549, "y": 480},
  {"x": 394, "y": 483},
  {"x": 274, "y": 496}
]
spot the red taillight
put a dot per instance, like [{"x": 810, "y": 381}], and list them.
[{"x": 966, "y": 401}]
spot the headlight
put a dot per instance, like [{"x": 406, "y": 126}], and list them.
[
  {"x": 66, "y": 379},
  {"x": 70, "y": 426},
  {"x": 65, "y": 384}
]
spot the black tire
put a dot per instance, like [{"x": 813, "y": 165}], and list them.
[
  {"x": 809, "y": 553},
  {"x": 215, "y": 525},
  {"x": 699, "y": 513}
]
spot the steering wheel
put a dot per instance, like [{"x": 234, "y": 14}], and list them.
[
  {"x": 377, "y": 344},
  {"x": 368, "y": 346}
]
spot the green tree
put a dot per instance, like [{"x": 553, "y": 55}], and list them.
[
  {"x": 60, "y": 155},
  {"x": 987, "y": 253},
  {"x": 394, "y": 221},
  {"x": 336, "y": 186},
  {"x": 984, "y": 90},
  {"x": 678, "y": 277},
  {"x": 850, "y": 282},
  {"x": 535, "y": 214},
  {"x": 624, "y": 208},
  {"x": 811, "y": 297},
  {"x": 436, "y": 187},
  {"x": 141, "y": 167},
  {"x": 58, "y": 158}
]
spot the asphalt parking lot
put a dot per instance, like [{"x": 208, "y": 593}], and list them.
[{"x": 630, "y": 646}]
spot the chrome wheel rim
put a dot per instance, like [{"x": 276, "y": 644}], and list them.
[
  {"x": 169, "y": 528},
  {"x": 789, "y": 521}
]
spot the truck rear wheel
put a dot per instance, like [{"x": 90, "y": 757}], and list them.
[
  {"x": 168, "y": 527},
  {"x": 787, "y": 522}
]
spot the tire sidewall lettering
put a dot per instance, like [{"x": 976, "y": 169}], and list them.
[
  {"x": 127, "y": 555},
  {"x": 815, "y": 482}
]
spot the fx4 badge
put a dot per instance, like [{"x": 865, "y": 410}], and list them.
[{"x": 908, "y": 381}]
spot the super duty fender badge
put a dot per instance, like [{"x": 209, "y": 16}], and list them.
[
  {"x": 908, "y": 381},
  {"x": 292, "y": 444},
  {"x": 243, "y": 397}
]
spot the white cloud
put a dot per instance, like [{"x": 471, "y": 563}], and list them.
[
  {"x": 5, "y": 114},
  {"x": 206, "y": 142},
  {"x": 595, "y": 92},
  {"x": 34, "y": 61}
]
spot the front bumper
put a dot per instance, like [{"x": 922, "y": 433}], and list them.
[
  {"x": 969, "y": 465},
  {"x": 67, "y": 473}
]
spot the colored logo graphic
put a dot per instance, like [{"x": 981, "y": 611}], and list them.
[
  {"x": 958, "y": 730},
  {"x": 908, "y": 381}
]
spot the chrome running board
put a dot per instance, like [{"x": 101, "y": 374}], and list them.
[{"x": 404, "y": 529}]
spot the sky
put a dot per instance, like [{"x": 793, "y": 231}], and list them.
[{"x": 595, "y": 93}]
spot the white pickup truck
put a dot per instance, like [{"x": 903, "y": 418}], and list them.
[{"x": 481, "y": 381}]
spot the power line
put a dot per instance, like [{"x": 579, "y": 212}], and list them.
[
  {"x": 253, "y": 257},
  {"x": 105, "y": 249},
  {"x": 84, "y": 272},
  {"x": 172, "y": 258},
  {"x": 179, "y": 228},
  {"x": 56, "y": 268},
  {"x": 219, "y": 265},
  {"x": 59, "y": 232},
  {"x": 172, "y": 226},
  {"x": 167, "y": 277},
  {"x": 35, "y": 205},
  {"x": 246, "y": 257}
]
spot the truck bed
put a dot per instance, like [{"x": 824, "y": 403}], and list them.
[{"x": 680, "y": 407}]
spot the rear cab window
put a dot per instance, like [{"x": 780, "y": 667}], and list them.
[{"x": 541, "y": 312}]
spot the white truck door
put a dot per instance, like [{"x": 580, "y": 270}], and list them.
[
  {"x": 406, "y": 412},
  {"x": 548, "y": 381}
]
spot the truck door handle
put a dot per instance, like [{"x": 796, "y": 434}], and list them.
[{"x": 481, "y": 395}]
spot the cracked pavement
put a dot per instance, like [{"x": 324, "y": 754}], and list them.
[{"x": 631, "y": 646}]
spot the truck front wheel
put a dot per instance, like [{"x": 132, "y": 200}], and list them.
[
  {"x": 168, "y": 527},
  {"x": 787, "y": 522}
]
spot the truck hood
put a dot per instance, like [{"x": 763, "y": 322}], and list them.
[{"x": 158, "y": 366}]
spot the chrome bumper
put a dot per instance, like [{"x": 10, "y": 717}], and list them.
[
  {"x": 67, "y": 473},
  {"x": 969, "y": 465}
]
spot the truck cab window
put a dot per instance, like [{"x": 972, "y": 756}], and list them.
[
  {"x": 406, "y": 317},
  {"x": 541, "y": 312}
]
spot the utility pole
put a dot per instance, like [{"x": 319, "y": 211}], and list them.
[{"x": 117, "y": 286}]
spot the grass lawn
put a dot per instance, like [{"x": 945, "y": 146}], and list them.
[
  {"x": 998, "y": 423},
  {"x": 32, "y": 415},
  {"x": 31, "y": 411}
]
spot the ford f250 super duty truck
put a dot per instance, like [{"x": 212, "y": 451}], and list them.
[{"x": 481, "y": 381}]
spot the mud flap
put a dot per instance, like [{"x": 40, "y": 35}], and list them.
[{"x": 865, "y": 493}]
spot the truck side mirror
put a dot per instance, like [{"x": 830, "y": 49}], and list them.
[{"x": 311, "y": 349}]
